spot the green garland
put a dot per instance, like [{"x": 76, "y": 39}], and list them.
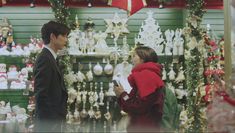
[
  {"x": 62, "y": 13},
  {"x": 196, "y": 121}
]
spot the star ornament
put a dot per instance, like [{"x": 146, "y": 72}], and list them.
[{"x": 116, "y": 26}]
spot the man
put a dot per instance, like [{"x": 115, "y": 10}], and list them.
[{"x": 50, "y": 92}]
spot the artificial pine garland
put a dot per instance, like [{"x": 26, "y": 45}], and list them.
[{"x": 195, "y": 108}]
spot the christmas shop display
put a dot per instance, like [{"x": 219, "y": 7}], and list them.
[{"x": 192, "y": 59}]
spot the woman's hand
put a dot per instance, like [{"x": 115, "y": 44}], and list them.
[{"x": 118, "y": 90}]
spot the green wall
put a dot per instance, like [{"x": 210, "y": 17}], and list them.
[{"x": 28, "y": 21}]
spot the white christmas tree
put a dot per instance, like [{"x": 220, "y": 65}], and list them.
[{"x": 150, "y": 34}]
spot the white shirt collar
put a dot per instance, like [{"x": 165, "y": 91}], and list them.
[{"x": 52, "y": 51}]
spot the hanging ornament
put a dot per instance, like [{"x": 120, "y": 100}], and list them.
[
  {"x": 72, "y": 94},
  {"x": 101, "y": 94},
  {"x": 107, "y": 115},
  {"x": 108, "y": 69},
  {"x": 84, "y": 112},
  {"x": 89, "y": 74},
  {"x": 98, "y": 69},
  {"x": 180, "y": 76},
  {"x": 180, "y": 93}
]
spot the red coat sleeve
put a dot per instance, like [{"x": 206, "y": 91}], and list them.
[{"x": 132, "y": 103}]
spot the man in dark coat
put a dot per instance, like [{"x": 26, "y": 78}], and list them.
[{"x": 50, "y": 92}]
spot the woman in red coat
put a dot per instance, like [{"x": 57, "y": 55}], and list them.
[{"x": 144, "y": 104}]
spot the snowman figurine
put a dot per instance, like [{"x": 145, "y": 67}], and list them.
[{"x": 3, "y": 82}]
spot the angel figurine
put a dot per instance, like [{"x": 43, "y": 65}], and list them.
[
  {"x": 101, "y": 45},
  {"x": 180, "y": 76},
  {"x": 82, "y": 43},
  {"x": 178, "y": 48},
  {"x": 172, "y": 73},
  {"x": 169, "y": 43},
  {"x": 164, "y": 74},
  {"x": 89, "y": 35}
]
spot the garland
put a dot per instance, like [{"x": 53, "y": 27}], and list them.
[
  {"x": 194, "y": 50},
  {"x": 62, "y": 13}
]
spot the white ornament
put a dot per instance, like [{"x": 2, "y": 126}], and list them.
[
  {"x": 4, "y": 51},
  {"x": 78, "y": 98},
  {"x": 24, "y": 72},
  {"x": 17, "y": 51},
  {"x": 172, "y": 73},
  {"x": 101, "y": 95},
  {"x": 72, "y": 94},
  {"x": 90, "y": 42},
  {"x": 180, "y": 92},
  {"x": 26, "y": 51},
  {"x": 80, "y": 76},
  {"x": 116, "y": 26},
  {"x": 164, "y": 74},
  {"x": 107, "y": 115},
  {"x": 192, "y": 43},
  {"x": 180, "y": 76},
  {"x": 101, "y": 45},
  {"x": 84, "y": 112},
  {"x": 110, "y": 92},
  {"x": 178, "y": 48},
  {"x": 169, "y": 41},
  {"x": 108, "y": 69},
  {"x": 89, "y": 74},
  {"x": 98, "y": 69},
  {"x": 125, "y": 48},
  {"x": 77, "y": 116},
  {"x": 83, "y": 43},
  {"x": 70, "y": 78},
  {"x": 17, "y": 84},
  {"x": 74, "y": 42}
]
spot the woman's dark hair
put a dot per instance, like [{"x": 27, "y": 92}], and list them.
[
  {"x": 146, "y": 53},
  {"x": 55, "y": 28}
]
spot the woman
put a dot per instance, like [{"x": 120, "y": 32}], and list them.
[{"x": 144, "y": 104}]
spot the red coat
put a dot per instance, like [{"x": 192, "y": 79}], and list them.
[{"x": 144, "y": 104}]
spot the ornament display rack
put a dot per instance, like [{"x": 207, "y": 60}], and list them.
[
  {"x": 101, "y": 124},
  {"x": 14, "y": 96}
]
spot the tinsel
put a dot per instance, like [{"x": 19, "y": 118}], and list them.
[{"x": 196, "y": 122}]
